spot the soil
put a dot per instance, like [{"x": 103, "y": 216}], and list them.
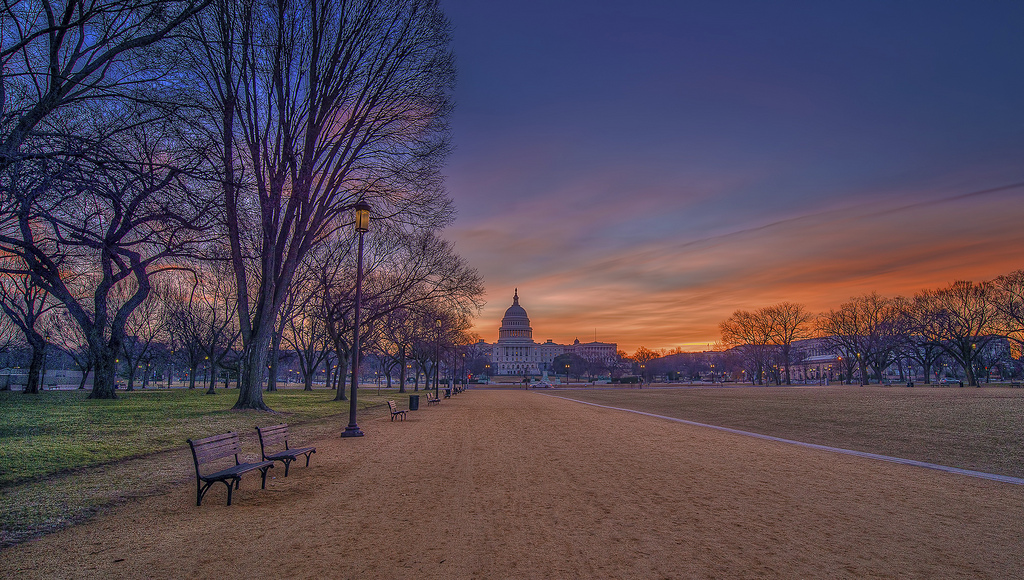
[{"x": 515, "y": 484}]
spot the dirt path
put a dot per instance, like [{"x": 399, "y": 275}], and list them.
[{"x": 509, "y": 484}]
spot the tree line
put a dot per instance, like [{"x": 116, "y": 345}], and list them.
[
  {"x": 870, "y": 333},
  {"x": 198, "y": 162}
]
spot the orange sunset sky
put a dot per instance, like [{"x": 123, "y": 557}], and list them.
[{"x": 643, "y": 169}]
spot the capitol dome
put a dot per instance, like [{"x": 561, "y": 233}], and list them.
[{"x": 516, "y": 323}]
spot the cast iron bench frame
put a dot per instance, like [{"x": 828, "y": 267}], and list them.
[
  {"x": 275, "y": 435},
  {"x": 209, "y": 449},
  {"x": 395, "y": 411}
]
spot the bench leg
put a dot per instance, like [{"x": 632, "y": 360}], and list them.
[
  {"x": 232, "y": 484},
  {"x": 200, "y": 492},
  {"x": 307, "y": 456},
  {"x": 286, "y": 462},
  {"x": 264, "y": 470}
]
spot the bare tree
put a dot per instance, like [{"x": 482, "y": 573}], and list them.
[
  {"x": 87, "y": 155},
  {"x": 752, "y": 334},
  {"x": 404, "y": 272},
  {"x": 922, "y": 345},
  {"x": 26, "y": 304},
  {"x": 869, "y": 330},
  {"x": 67, "y": 335},
  {"x": 1009, "y": 302},
  {"x": 56, "y": 56},
  {"x": 146, "y": 325},
  {"x": 94, "y": 229},
  {"x": 202, "y": 318},
  {"x": 307, "y": 336},
  {"x": 642, "y": 357},
  {"x": 965, "y": 320},
  {"x": 394, "y": 338},
  {"x": 788, "y": 322},
  {"x": 320, "y": 103}
]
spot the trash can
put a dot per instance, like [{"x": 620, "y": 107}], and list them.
[
  {"x": 414, "y": 402},
  {"x": 448, "y": 393}
]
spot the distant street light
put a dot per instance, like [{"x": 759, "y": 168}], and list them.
[{"x": 362, "y": 226}]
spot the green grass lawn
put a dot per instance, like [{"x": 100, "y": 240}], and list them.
[
  {"x": 979, "y": 429},
  {"x": 59, "y": 430}
]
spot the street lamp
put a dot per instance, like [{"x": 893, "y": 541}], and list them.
[
  {"x": 860, "y": 370},
  {"x": 362, "y": 226},
  {"x": 437, "y": 357}
]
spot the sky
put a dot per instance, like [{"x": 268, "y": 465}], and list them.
[{"x": 641, "y": 169}]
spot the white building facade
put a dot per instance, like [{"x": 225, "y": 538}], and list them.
[{"x": 516, "y": 353}]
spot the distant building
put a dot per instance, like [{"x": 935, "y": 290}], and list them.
[{"x": 516, "y": 353}]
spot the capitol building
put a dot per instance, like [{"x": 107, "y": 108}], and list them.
[{"x": 516, "y": 353}]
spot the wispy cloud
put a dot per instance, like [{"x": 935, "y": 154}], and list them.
[{"x": 674, "y": 291}]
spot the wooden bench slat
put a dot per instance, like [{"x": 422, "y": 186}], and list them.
[
  {"x": 395, "y": 411},
  {"x": 217, "y": 451},
  {"x": 207, "y": 450},
  {"x": 277, "y": 435}
]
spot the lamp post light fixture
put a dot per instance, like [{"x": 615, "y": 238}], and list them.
[
  {"x": 974, "y": 358},
  {"x": 362, "y": 226}
]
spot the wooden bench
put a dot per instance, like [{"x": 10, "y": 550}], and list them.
[
  {"x": 395, "y": 411},
  {"x": 432, "y": 399},
  {"x": 206, "y": 452},
  {"x": 278, "y": 435}
]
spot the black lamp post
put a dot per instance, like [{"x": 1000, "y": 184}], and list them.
[
  {"x": 362, "y": 226},
  {"x": 437, "y": 359}
]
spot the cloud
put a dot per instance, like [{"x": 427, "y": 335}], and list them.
[{"x": 674, "y": 291}]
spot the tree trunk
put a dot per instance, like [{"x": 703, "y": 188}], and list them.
[
  {"x": 401, "y": 371},
  {"x": 131, "y": 378},
  {"x": 192, "y": 376},
  {"x": 104, "y": 375},
  {"x": 275, "y": 355},
  {"x": 785, "y": 360},
  {"x": 213, "y": 381},
  {"x": 252, "y": 367},
  {"x": 34, "y": 369},
  {"x": 272, "y": 372},
  {"x": 342, "y": 371},
  {"x": 85, "y": 375}
]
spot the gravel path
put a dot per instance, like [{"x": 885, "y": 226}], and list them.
[{"x": 511, "y": 484}]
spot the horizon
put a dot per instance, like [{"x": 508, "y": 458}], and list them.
[{"x": 647, "y": 169}]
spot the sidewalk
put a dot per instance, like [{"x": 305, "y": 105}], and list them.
[{"x": 515, "y": 484}]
